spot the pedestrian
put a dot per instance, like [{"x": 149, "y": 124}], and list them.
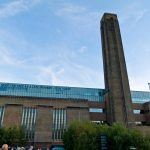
[
  {"x": 5, "y": 147},
  {"x": 31, "y": 147}
]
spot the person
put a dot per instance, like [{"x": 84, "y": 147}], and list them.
[
  {"x": 31, "y": 147},
  {"x": 5, "y": 147}
]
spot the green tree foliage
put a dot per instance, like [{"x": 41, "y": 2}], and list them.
[
  {"x": 86, "y": 136},
  {"x": 81, "y": 136},
  {"x": 12, "y": 136}
]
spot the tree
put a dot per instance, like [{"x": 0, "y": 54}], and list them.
[
  {"x": 2, "y": 136},
  {"x": 80, "y": 136},
  {"x": 86, "y": 136},
  {"x": 12, "y": 136}
]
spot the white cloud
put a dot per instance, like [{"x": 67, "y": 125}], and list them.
[
  {"x": 140, "y": 15},
  {"x": 79, "y": 16},
  {"x": 14, "y": 7},
  {"x": 65, "y": 69},
  {"x": 14, "y": 51},
  {"x": 137, "y": 82},
  {"x": 68, "y": 73},
  {"x": 70, "y": 9},
  {"x": 7, "y": 57},
  {"x": 133, "y": 13},
  {"x": 83, "y": 49},
  {"x": 49, "y": 74}
]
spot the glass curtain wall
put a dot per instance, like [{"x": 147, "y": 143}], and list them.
[
  {"x": 59, "y": 123},
  {"x": 28, "y": 121},
  {"x": 43, "y": 91},
  {"x": 1, "y": 115}
]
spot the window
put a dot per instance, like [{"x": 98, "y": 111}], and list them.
[
  {"x": 28, "y": 121},
  {"x": 98, "y": 122},
  {"x": 1, "y": 115},
  {"x": 96, "y": 110},
  {"x": 138, "y": 123},
  {"x": 59, "y": 123},
  {"x": 43, "y": 91},
  {"x": 136, "y": 111}
]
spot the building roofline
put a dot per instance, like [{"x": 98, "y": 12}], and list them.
[
  {"x": 27, "y": 84},
  {"x": 140, "y": 91}
]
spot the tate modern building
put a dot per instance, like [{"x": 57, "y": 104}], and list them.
[{"x": 47, "y": 111}]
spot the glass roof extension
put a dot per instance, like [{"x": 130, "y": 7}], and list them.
[
  {"x": 76, "y": 93},
  {"x": 140, "y": 96},
  {"x": 44, "y": 91}
]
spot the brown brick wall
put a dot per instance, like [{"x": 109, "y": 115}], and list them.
[
  {"x": 97, "y": 116},
  {"x": 74, "y": 114},
  {"x": 76, "y": 110},
  {"x": 96, "y": 105},
  {"x": 32, "y": 102},
  {"x": 43, "y": 129},
  {"x": 12, "y": 115},
  {"x": 137, "y": 106},
  {"x": 139, "y": 117}
]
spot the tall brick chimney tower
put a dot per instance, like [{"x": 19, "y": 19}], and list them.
[{"x": 119, "y": 104}]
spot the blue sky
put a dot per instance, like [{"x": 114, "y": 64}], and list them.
[{"x": 57, "y": 42}]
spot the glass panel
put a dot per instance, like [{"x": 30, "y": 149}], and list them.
[
  {"x": 136, "y": 111},
  {"x": 28, "y": 121},
  {"x": 1, "y": 115},
  {"x": 140, "y": 96},
  {"x": 96, "y": 110},
  {"x": 70, "y": 93},
  {"x": 59, "y": 123},
  {"x": 44, "y": 91}
]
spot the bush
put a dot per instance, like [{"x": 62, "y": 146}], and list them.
[
  {"x": 86, "y": 136},
  {"x": 12, "y": 136}
]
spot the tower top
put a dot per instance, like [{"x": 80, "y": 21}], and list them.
[{"x": 108, "y": 16}]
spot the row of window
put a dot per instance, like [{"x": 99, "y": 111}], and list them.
[
  {"x": 29, "y": 115},
  {"x": 69, "y": 93},
  {"x": 28, "y": 121},
  {"x": 59, "y": 123},
  {"x": 138, "y": 111},
  {"x": 90, "y": 94},
  {"x": 140, "y": 96}
]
